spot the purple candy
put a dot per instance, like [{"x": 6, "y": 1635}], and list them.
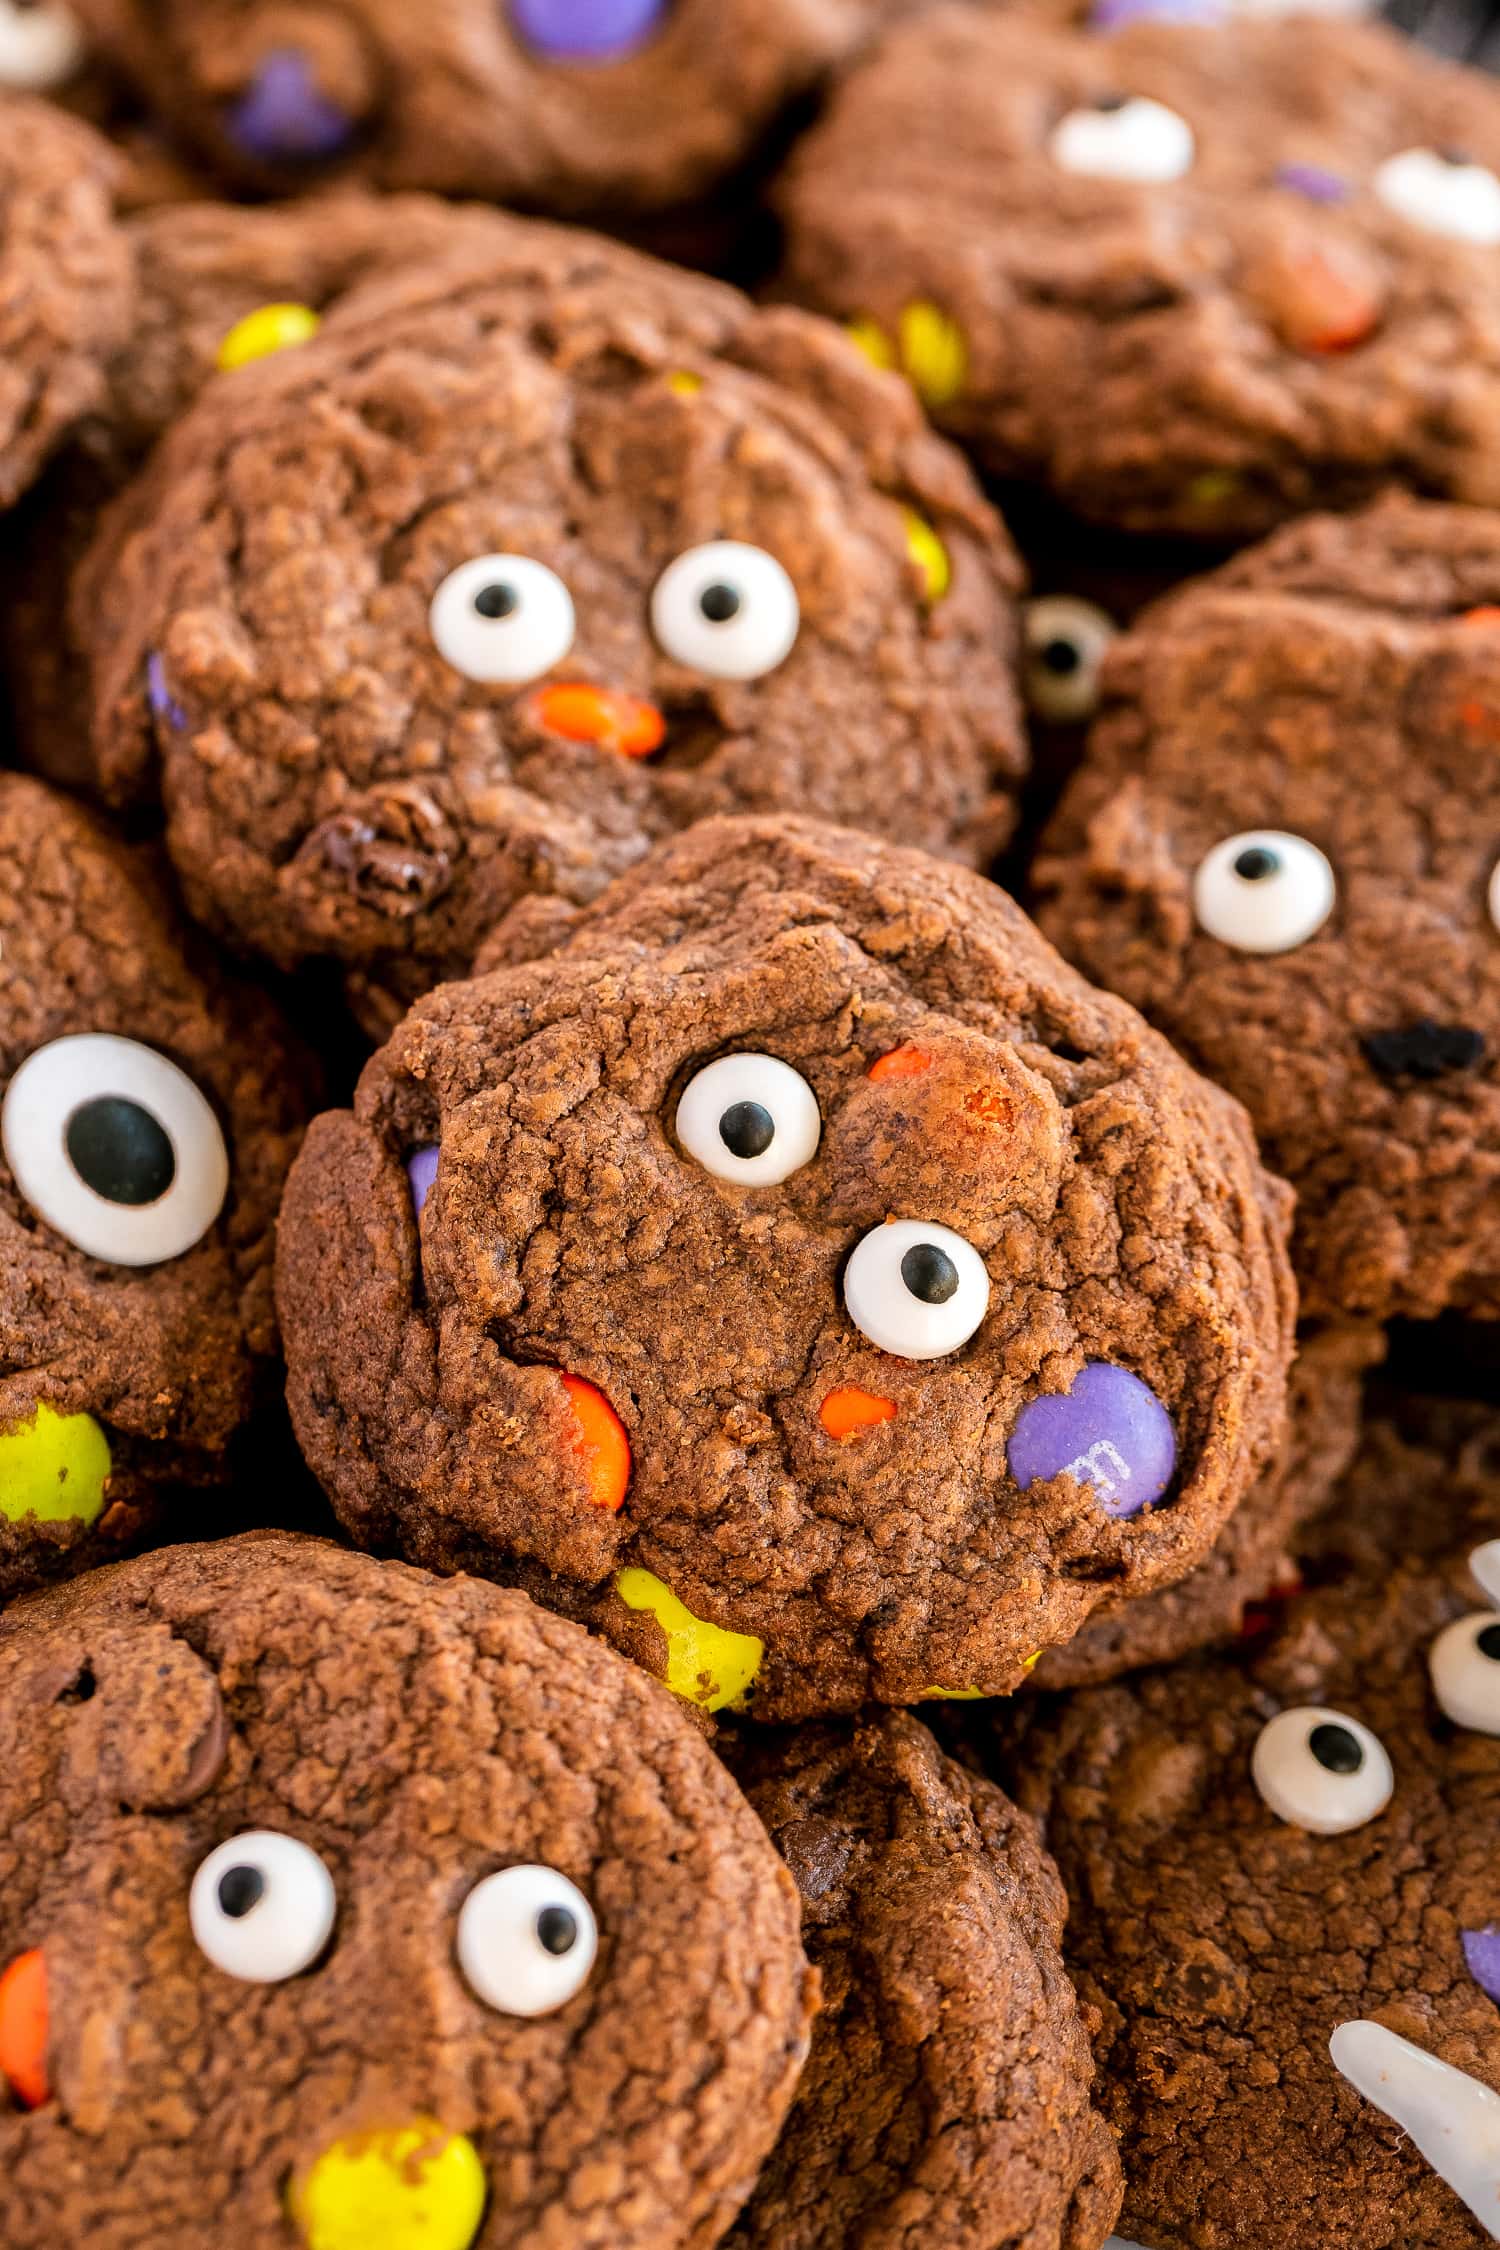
[
  {"x": 586, "y": 30},
  {"x": 1482, "y": 1952},
  {"x": 285, "y": 116},
  {"x": 421, "y": 1170},
  {"x": 160, "y": 697},
  {"x": 1113, "y": 15},
  {"x": 1312, "y": 181},
  {"x": 1110, "y": 1432}
]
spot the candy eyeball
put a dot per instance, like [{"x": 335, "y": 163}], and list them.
[
  {"x": 1124, "y": 138},
  {"x": 115, "y": 1148},
  {"x": 1464, "y": 1667},
  {"x": 1443, "y": 192},
  {"x": 262, "y": 1907},
  {"x": 1321, "y": 1770},
  {"x": 1065, "y": 644},
  {"x": 1263, "y": 891},
  {"x": 41, "y": 45},
  {"x": 502, "y": 620},
  {"x": 526, "y": 1941},
  {"x": 916, "y": 1290},
  {"x": 1493, "y": 894},
  {"x": 749, "y": 1118},
  {"x": 727, "y": 610}
]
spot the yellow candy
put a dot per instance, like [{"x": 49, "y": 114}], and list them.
[
  {"x": 929, "y": 554},
  {"x": 1032, "y": 1661},
  {"x": 952, "y": 1694},
  {"x": 1213, "y": 487},
  {"x": 706, "y": 1663},
  {"x": 54, "y": 1467},
  {"x": 415, "y": 2188},
  {"x": 933, "y": 353},
  {"x": 685, "y": 383},
  {"x": 873, "y": 342},
  {"x": 274, "y": 328}
]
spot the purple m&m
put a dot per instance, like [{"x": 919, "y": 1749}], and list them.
[
  {"x": 586, "y": 30},
  {"x": 1110, "y": 1432},
  {"x": 1313, "y": 181},
  {"x": 163, "y": 702},
  {"x": 1482, "y": 1954},
  {"x": 1113, "y": 15},
  {"x": 285, "y": 117},
  {"x": 421, "y": 1170}
]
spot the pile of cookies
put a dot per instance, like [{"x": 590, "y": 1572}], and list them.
[{"x": 749, "y": 1127}]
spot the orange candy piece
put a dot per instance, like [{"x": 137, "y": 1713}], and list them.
[
  {"x": 901, "y": 1062},
  {"x": 602, "y": 1444},
  {"x": 849, "y": 1409},
  {"x": 580, "y": 713},
  {"x": 23, "y": 2029},
  {"x": 1486, "y": 614}
]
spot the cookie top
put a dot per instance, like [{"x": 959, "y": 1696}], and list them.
[
  {"x": 657, "y": 1164},
  {"x": 65, "y": 281},
  {"x": 548, "y": 552},
  {"x": 385, "y": 1887},
  {"x": 572, "y": 106},
  {"x": 946, "y": 2097},
  {"x": 148, "y": 1111},
  {"x": 1283, "y": 847},
  {"x": 1193, "y": 279},
  {"x": 1241, "y": 1888}
]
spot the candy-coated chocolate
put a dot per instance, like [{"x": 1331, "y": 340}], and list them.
[
  {"x": 1110, "y": 1433},
  {"x": 413, "y": 2187},
  {"x": 23, "y": 2029},
  {"x": 285, "y": 117},
  {"x": 601, "y": 1442},
  {"x": 586, "y": 30},
  {"x": 705, "y": 1663},
  {"x": 270, "y": 329},
  {"x": 54, "y": 1467}
]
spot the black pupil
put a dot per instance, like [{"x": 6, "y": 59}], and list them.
[
  {"x": 719, "y": 604},
  {"x": 747, "y": 1129},
  {"x": 1256, "y": 864},
  {"x": 241, "y": 1888},
  {"x": 1455, "y": 156},
  {"x": 497, "y": 601},
  {"x": 1335, "y": 1748},
  {"x": 1062, "y": 657},
  {"x": 120, "y": 1151},
  {"x": 1108, "y": 102},
  {"x": 1488, "y": 1642},
  {"x": 929, "y": 1273},
  {"x": 556, "y": 1929}
]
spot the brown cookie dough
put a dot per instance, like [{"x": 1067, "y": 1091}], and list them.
[
  {"x": 844, "y": 1454},
  {"x": 946, "y": 2099},
  {"x": 1335, "y": 693},
  {"x": 138, "y": 1188},
  {"x": 1224, "y": 1941},
  {"x": 302, "y": 611},
  {"x": 1192, "y": 279},
  {"x": 65, "y": 282},
  {"x": 340, "y": 1877}
]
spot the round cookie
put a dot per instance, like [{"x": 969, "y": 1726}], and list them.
[
  {"x": 65, "y": 282},
  {"x": 1335, "y": 694},
  {"x": 1192, "y": 279},
  {"x": 806, "y": 1457},
  {"x": 148, "y": 1111},
  {"x": 547, "y": 553},
  {"x": 353, "y": 1907},
  {"x": 946, "y": 2097},
  {"x": 1240, "y": 1889}
]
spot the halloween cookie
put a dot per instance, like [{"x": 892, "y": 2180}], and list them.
[
  {"x": 550, "y": 552},
  {"x": 946, "y": 2098},
  {"x": 1282, "y": 1880},
  {"x": 1283, "y": 848},
  {"x": 798, "y": 1271},
  {"x": 338, "y": 1905},
  {"x": 148, "y": 1112},
  {"x": 1193, "y": 279}
]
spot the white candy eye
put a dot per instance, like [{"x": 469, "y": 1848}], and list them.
[
  {"x": 1494, "y": 894},
  {"x": 726, "y": 609},
  {"x": 1442, "y": 193},
  {"x": 1263, "y": 891},
  {"x": 503, "y": 620},
  {"x": 526, "y": 1940},
  {"x": 262, "y": 1907},
  {"x": 1065, "y": 644},
  {"x": 916, "y": 1290},
  {"x": 41, "y": 45},
  {"x": 115, "y": 1147},
  {"x": 1122, "y": 139},
  {"x": 1321, "y": 1770},
  {"x": 749, "y": 1118},
  {"x": 1464, "y": 1665}
]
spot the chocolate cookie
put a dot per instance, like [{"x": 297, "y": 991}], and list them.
[
  {"x": 549, "y": 552},
  {"x": 65, "y": 281},
  {"x": 1270, "y": 1859},
  {"x": 946, "y": 2098},
  {"x": 340, "y": 1905},
  {"x": 1192, "y": 279},
  {"x": 148, "y": 1112},
  {"x": 594, "y": 1290},
  {"x": 1282, "y": 848}
]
